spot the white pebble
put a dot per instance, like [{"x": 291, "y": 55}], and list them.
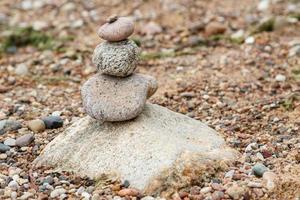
[
  {"x": 205, "y": 190},
  {"x": 57, "y": 192},
  {"x": 250, "y": 40},
  {"x": 26, "y": 196},
  {"x": 280, "y": 78},
  {"x": 13, "y": 185},
  {"x": 263, "y": 5},
  {"x": 21, "y": 69},
  {"x": 14, "y": 195},
  {"x": 254, "y": 185},
  {"x": 56, "y": 113},
  {"x": 239, "y": 34},
  {"x": 86, "y": 196}
]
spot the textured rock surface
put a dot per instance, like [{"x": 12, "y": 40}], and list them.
[
  {"x": 108, "y": 98},
  {"x": 157, "y": 151},
  {"x": 116, "y": 30},
  {"x": 116, "y": 58}
]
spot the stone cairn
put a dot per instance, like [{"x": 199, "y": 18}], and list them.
[{"x": 116, "y": 93}]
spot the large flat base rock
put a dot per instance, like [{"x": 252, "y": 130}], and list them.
[{"x": 158, "y": 151}]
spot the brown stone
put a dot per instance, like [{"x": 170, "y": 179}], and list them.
[
  {"x": 214, "y": 28},
  {"x": 128, "y": 192}
]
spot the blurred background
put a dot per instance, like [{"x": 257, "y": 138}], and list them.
[{"x": 234, "y": 65}]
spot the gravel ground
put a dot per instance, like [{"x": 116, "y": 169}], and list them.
[{"x": 233, "y": 65}]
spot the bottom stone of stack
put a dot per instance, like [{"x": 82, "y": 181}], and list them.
[{"x": 158, "y": 152}]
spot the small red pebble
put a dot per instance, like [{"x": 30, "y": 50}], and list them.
[
  {"x": 183, "y": 194},
  {"x": 266, "y": 153},
  {"x": 197, "y": 197},
  {"x": 128, "y": 192}
]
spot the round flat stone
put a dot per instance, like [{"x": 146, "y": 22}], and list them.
[
  {"x": 116, "y": 58},
  {"x": 108, "y": 98},
  {"x": 117, "y": 29}
]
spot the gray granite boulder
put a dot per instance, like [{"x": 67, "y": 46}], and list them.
[
  {"x": 108, "y": 98},
  {"x": 158, "y": 152},
  {"x": 116, "y": 58}
]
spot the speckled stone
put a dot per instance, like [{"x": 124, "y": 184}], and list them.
[
  {"x": 116, "y": 58},
  {"x": 108, "y": 98}
]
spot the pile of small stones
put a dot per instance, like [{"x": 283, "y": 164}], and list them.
[
  {"x": 23, "y": 141},
  {"x": 116, "y": 93}
]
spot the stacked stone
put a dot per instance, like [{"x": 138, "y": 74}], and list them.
[{"x": 116, "y": 93}]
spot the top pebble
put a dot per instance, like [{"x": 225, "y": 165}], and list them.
[{"x": 116, "y": 29}]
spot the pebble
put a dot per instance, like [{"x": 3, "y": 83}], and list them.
[
  {"x": 9, "y": 125},
  {"x": 217, "y": 195},
  {"x": 36, "y": 125},
  {"x": 151, "y": 28},
  {"x": 235, "y": 192},
  {"x": 57, "y": 192},
  {"x": 280, "y": 78},
  {"x": 259, "y": 169},
  {"x": 263, "y": 5},
  {"x": 10, "y": 142},
  {"x": 116, "y": 59},
  {"x": 4, "y": 148},
  {"x": 13, "y": 185},
  {"x": 26, "y": 196},
  {"x": 206, "y": 190},
  {"x": 39, "y": 25},
  {"x": 96, "y": 197},
  {"x": 77, "y": 23},
  {"x": 26, "y": 5},
  {"x": 21, "y": 69},
  {"x": 80, "y": 190},
  {"x": 24, "y": 140},
  {"x": 117, "y": 198},
  {"x": 56, "y": 113},
  {"x": 128, "y": 192},
  {"x": 53, "y": 122},
  {"x": 126, "y": 184},
  {"x": 270, "y": 178},
  {"x": 294, "y": 51},
  {"x": 13, "y": 195},
  {"x": 116, "y": 29},
  {"x": 217, "y": 186},
  {"x": 14, "y": 171},
  {"x": 86, "y": 195},
  {"x": 215, "y": 28},
  {"x": 63, "y": 196},
  {"x": 49, "y": 180},
  {"x": 238, "y": 35},
  {"x": 3, "y": 156},
  {"x": 229, "y": 174},
  {"x": 254, "y": 184},
  {"x": 250, "y": 147},
  {"x": 260, "y": 156},
  {"x": 250, "y": 40}
]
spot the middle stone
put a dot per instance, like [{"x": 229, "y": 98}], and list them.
[
  {"x": 116, "y": 58},
  {"x": 108, "y": 98}
]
